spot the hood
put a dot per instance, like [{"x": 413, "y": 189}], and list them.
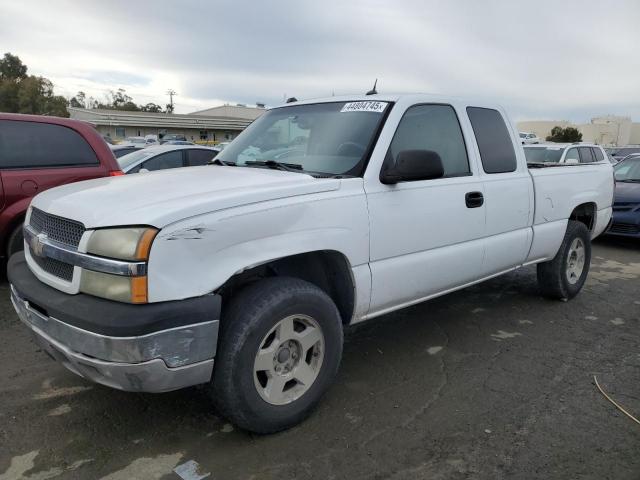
[
  {"x": 163, "y": 197},
  {"x": 627, "y": 192}
]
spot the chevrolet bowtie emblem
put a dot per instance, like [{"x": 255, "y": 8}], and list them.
[{"x": 37, "y": 244}]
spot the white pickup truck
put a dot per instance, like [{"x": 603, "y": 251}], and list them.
[{"x": 321, "y": 214}]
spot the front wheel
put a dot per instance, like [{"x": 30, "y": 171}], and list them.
[
  {"x": 279, "y": 349},
  {"x": 563, "y": 277}
]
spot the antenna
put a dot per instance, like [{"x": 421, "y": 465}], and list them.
[
  {"x": 373, "y": 91},
  {"x": 291, "y": 100}
]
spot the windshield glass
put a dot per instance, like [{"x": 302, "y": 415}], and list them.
[
  {"x": 628, "y": 171},
  {"x": 543, "y": 154},
  {"x": 323, "y": 138},
  {"x": 133, "y": 157}
]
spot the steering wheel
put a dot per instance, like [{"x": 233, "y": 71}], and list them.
[{"x": 350, "y": 149}]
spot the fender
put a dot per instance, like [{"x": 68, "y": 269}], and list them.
[
  {"x": 10, "y": 218},
  {"x": 196, "y": 256}
]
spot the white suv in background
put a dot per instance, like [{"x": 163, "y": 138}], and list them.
[
  {"x": 529, "y": 138},
  {"x": 564, "y": 153}
]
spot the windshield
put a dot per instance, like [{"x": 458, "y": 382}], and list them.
[
  {"x": 322, "y": 138},
  {"x": 628, "y": 171},
  {"x": 543, "y": 154},
  {"x": 133, "y": 157}
]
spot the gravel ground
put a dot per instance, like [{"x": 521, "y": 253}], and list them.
[{"x": 490, "y": 382}]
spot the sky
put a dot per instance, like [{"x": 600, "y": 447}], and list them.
[{"x": 542, "y": 60}]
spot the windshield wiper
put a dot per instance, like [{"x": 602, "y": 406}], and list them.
[
  {"x": 630, "y": 180},
  {"x": 218, "y": 161},
  {"x": 289, "y": 167}
]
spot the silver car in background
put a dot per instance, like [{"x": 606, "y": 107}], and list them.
[{"x": 162, "y": 157}]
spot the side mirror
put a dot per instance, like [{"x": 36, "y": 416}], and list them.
[
  {"x": 572, "y": 161},
  {"x": 414, "y": 165}
]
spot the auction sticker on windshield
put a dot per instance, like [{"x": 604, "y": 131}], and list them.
[{"x": 377, "y": 107}]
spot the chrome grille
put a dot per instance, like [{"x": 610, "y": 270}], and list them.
[
  {"x": 65, "y": 231},
  {"x": 55, "y": 267},
  {"x": 57, "y": 228}
]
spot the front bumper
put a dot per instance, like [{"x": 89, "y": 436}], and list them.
[
  {"x": 625, "y": 224},
  {"x": 142, "y": 348}
]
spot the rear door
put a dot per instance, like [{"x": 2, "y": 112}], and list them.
[
  {"x": 508, "y": 191},
  {"x": 586, "y": 155},
  {"x": 164, "y": 161},
  {"x": 426, "y": 235},
  {"x": 36, "y": 156}
]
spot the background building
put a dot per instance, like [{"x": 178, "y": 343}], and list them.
[
  {"x": 218, "y": 124},
  {"x": 605, "y": 130}
]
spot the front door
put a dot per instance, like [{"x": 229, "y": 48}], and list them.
[{"x": 427, "y": 236}]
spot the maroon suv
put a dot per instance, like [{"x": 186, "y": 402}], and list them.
[{"x": 37, "y": 153}]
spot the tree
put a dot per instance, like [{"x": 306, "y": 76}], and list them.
[
  {"x": 118, "y": 100},
  {"x": 12, "y": 68},
  {"x": 564, "y": 135},
  {"x": 79, "y": 101},
  {"x": 36, "y": 97},
  {"x": 151, "y": 107},
  {"x": 22, "y": 93}
]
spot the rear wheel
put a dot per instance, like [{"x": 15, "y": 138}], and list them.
[
  {"x": 563, "y": 277},
  {"x": 279, "y": 350},
  {"x": 15, "y": 243}
]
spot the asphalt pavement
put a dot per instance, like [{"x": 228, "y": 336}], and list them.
[{"x": 489, "y": 382}]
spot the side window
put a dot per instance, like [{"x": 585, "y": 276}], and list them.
[
  {"x": 164, "y": 161},
  {"x": 495, "y": 145},
  {"x": 599, "y": 154},
  {"x": 572, "y": 156},
  {"x": 435, "y": 128},
  {"x": 200, "y": 157},
  {"x": 43, "y": 145},
  {"x": 586, "y": 156}
]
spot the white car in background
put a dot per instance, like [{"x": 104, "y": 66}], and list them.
[
  {"x": 571, "y": 153},
  {"x": 529, "y": 138},
  {"x": 163, "y": 157},
  {"x": 151, "y": 140},
  {"x": 134, "y": 142}
]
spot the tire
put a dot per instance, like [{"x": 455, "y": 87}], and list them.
[
  {"x": 561, "y": 278},
  {"x": 15, "y": 243},
  {"x": 253, "y": 333}
]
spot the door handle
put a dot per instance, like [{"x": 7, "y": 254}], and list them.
[{"x": 474, "y": 199}]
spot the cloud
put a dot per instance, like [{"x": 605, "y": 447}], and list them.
[{"x": 542, "y": 59}]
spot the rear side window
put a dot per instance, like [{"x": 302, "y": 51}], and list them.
[
  {"x": 599, "y": 155},
  {"x": 200, "y": 157},
  {"x": 495, "y": 145},
  {"x": 435, "y": 128},
  {"x": 164, "y": 161},
  {"x": 586, "y": 155},
  {"x": 43, "y": 145}
]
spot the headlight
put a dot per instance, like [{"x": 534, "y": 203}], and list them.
[
  {"x": 128, "y": 244},
  {"x": 122, "y": 243}
]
